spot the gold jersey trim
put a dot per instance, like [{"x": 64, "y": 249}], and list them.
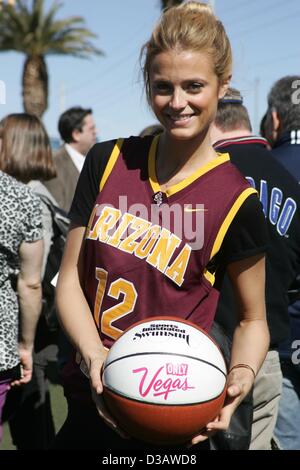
[
  {"x": 111, "y": 162},
  {"x": 222, "y": 158},
  {"x": 225, "y": 226}
]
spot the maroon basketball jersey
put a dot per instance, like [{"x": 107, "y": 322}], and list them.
[{"x": 146, "y": 252}]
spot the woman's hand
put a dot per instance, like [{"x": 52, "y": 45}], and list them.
[
  {"x": 95, "y": 370},
  {"x": 26, "y": 366},
  {"x": 250, "y": 341},
  {"x": 239, "y": 383}
]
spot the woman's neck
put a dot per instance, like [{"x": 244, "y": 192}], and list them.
[{"x": 181, "y": 156}]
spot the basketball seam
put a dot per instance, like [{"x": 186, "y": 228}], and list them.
[
  {"x": 116, "y": 392},
  {"x": 166, "y": 354}
]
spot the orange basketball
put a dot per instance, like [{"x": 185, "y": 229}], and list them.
[{"x": 164, "y": 380}]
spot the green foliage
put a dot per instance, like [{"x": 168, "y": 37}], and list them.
[{"x": 26, "y": 27}]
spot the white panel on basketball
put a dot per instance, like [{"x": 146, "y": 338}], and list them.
[
  {"x": 148, "y": 337},
  {"x": 165, "y": 362},
  {"x": 164, "y": 379}
]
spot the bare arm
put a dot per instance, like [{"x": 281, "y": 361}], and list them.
[
  {"x": 73, "y": 309},
  {"x": 30, "y": 300},
  {"x": 76, "y": 318},
  {"x": 251, "y": 337}
]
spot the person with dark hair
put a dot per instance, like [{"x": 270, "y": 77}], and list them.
[
  {"x": 78, "y": 132},
  {"x": 280, "y": 198},
  {"x": 26, "y": 155},
  {"x": 263, "y": 130},
  {"x": 126, "y": 262},
  {"x": 282, "y": 124},
  {"x": 232, "y": 115},
  {"x": 283, "y": 132}
]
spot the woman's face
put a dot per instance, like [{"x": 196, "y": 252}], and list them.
[{"x": 184, "y": 92}]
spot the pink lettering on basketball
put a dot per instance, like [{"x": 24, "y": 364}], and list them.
[
  {"x": 176, "y": 369},
  {"x": 159, "y": 385}
]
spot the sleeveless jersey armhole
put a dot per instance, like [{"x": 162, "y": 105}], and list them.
[{"x": 209, "y": 272}]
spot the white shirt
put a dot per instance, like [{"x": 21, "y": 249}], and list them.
[{"x": 76, "y": 157}]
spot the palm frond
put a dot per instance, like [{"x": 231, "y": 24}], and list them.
[
  {"x": 49, "y": 17},
  {"x": 35, "y": 32}
]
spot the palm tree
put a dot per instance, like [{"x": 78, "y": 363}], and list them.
[
  {"x": 169, "y": 3},
  {"x": 36, "y": 34}
]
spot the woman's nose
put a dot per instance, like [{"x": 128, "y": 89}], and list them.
[{"x": 178, "y": 99}]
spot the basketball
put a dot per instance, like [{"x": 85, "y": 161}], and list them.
[{"x": 164, "y": 379}]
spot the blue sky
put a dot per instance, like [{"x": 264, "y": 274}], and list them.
[{"x": 263, "y": 34}]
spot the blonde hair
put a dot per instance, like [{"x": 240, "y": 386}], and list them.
[{"x": 189, "y": 26}]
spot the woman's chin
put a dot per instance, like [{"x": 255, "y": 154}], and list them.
[{"x": 180, "y": 134}]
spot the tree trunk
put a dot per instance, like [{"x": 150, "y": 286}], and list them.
[{"x": 35, "y": 85}]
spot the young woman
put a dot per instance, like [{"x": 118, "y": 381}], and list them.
[
  {"x": 26, "y": 155},
  {"x": 120, "y": 265},
  {"x": 21, "y": 254}
]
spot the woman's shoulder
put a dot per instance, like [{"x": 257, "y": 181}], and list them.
[
  {"x": 232, "y": 175},
  {"x": 20, "y": 204},
  {"x": 10, "y": 184},
  {"x": 16, "y": 190},
  {"x": 100, "y": 153}
]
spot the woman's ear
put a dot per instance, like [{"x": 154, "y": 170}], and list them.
[{"x": 223, "y": 87}]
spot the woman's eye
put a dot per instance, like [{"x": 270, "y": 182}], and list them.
[
  {"x": 162, "y": 87},
  {"x": 194, "y": 87}
]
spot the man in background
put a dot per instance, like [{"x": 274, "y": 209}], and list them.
[
  {"x": 282, "y": 123},
  {"x": 280, "y": 197},
  {"x": 78, "y": 131},
  {"x": 282, "y": 128}
]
